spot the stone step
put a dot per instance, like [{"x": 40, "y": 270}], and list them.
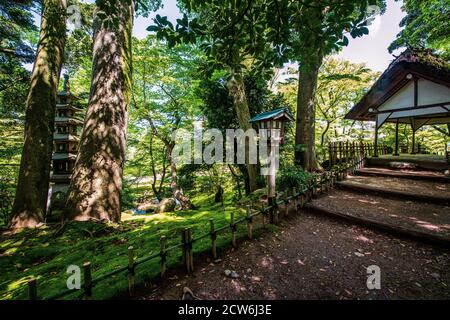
[
  {"x": 411, "y": 218},
  {"x": 432, "y": 176},
  {"x": 429, "y": 163},
  {"x": 442, "y": 199}
]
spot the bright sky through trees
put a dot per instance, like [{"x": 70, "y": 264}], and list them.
[{"x": 371, "y": 49}]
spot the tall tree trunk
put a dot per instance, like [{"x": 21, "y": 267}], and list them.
[
  {"x": 97, "y": 179},
  {"x": 185, "y": 202},
  {"x": 34, "y": 176},
  {"x": 305, "y": 152},
  {"x": 236, "y": 88}
]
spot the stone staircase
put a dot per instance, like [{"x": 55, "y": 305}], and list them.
[{"x": 414, "y": 203}]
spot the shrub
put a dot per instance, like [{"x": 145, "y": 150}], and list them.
[{"x": 292, "y": 177}]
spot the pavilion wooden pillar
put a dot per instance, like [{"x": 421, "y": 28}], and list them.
[
  {"x": 396, "y": 139},
  {"x": 413, "y": 149},
  {"x": 413, "y": 127},
  {"x": 375, "y": 144}
]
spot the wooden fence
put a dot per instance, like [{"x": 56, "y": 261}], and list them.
[
  {"x": 345, "y": 151},
  {"x": 319, "y": 184}
]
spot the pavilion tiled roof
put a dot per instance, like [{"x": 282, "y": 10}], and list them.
[{"x": 421, "y": 62}]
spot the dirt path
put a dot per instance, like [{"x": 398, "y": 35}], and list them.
[{"x": 316, "y": 257}]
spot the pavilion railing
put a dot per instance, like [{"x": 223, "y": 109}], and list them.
[{"x": 341, "y": 152}]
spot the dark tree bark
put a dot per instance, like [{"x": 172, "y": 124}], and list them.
[
  {"x": 97, "y": 179},
  {"x": 305, "y": 154},
  {"x": 34, "y": 176},
  {"x": 236, "y": 88}
]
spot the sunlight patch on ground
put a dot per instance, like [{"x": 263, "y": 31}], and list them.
[{"x": 363, "y": 239}]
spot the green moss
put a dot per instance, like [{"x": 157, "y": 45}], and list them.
[{"x": 47, "y": 253}]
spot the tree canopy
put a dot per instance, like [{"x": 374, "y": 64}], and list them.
[{"x": 426, "y": 25}]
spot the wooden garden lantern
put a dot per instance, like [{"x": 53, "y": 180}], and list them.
[
  {"x": 273, "y": 123},
  {"x": 275, "y": 120}
]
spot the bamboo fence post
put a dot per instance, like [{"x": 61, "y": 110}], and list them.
[
  {"x": 347, "y": 158},
  {"x": 131, "y": 270},
  {"x": 32, "y": 289},
  {"x": 264, "y": 213},
  {"x": 249, "y": 223},
  {"x": 302, "y": 201},
  {"x": 333, "y": 178},
  {"x": 186, "y": 253},
  {"x": 330, "y": 180},
  {"x": 336, "y": 155},
  {"x": 361, "y": 155},
  {"x": 315, "y": 188},
  {"x": 350, "y": 158},
  {"x": 87, "y": 280},
  {"x": 338, "y": 174},
  {"x": 233, "y": 230},
  {"x": 340, "y": 151},
  {"x": 286, "y": 204},
  {"x": 163, "y": 256},
  {"x": 294, "y": 198},
  {"x": 330, "y": 156},
  {"x": 357, "y": 155},
  {"x": 191, "y": 252},
  {"x": 183, "y": 246},
  {"x": 308, "y": 192},
  {"x": 276, "y": 210},
  {"x": 213, "y": 239}
]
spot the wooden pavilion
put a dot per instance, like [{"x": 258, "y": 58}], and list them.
[{"x": 414, "y": 90}]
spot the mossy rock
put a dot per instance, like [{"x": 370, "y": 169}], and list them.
[
  {"x": 148, "y": 207},
  {"x": 166, "y": 205}
]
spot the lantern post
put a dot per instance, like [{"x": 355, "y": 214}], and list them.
[{"x": 271, "y": 128}]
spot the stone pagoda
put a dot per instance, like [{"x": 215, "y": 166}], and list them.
[{"x": 68, "y": 127}]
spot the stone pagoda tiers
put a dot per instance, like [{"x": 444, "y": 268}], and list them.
[{"x": 68, "y": 127}]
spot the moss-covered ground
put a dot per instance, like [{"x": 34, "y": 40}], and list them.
[{"x": 46, "y": 253}]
